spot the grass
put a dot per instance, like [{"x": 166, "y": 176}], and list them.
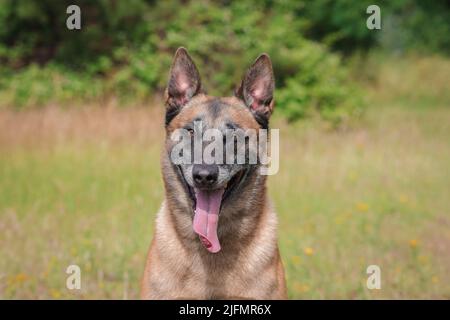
[
  {"x": 83, "y": 187},
  {"x": 377, "y": 195}
]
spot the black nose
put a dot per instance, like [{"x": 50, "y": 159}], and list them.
[{"x": 205, "y": 175}]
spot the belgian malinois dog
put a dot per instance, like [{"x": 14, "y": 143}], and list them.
[{"x": 215, "y": 234}]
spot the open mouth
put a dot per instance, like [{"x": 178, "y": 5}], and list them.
[
  {"x": 227, "y": 191},
  {"x": 207, "y": 204}
]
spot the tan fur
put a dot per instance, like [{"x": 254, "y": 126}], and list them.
[
  {"x": 178, "y": 266},
  {"x": 175, "y": 271},
  {"x": 249, "y": 264}
]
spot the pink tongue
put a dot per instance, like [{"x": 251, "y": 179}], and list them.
[{"x": 207, "y": 216}]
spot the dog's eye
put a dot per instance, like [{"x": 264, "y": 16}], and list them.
[{"x": 191, "y": 131}]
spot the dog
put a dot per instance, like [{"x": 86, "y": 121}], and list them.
[{"x": 215, "y": 234}]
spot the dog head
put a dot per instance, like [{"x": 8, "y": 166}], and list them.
[{"x": 213, "y": 141}]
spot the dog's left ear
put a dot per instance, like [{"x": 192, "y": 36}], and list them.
[{"x": 256, "y": 89}]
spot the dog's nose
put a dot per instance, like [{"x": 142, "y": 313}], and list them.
[{"x": 205, "y": 175}]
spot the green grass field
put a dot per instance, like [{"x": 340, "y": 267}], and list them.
[{"x": 83, "y": 186}]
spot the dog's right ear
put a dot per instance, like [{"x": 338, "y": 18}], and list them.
[{"x": 184, "y": 83}]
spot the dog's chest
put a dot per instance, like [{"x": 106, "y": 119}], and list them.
[{"x": 212, "y": 278}]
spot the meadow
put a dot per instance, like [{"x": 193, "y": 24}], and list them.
[{"x": 82, "y": 186}]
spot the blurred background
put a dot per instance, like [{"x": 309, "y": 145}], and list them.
[{"x": 364, "y": 125}]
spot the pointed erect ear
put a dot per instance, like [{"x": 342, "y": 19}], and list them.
[
  {"x": 257, "y": 87},
  {"x": 184, "y": 81}
]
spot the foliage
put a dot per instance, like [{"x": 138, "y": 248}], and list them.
[
  {"x": 405, "y": 24},
  {"x": 125, "y": 48}
]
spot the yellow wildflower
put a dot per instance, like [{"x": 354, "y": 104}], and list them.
[
  {"x": 362, "y": 207},
  {"x": 423, "y": 259},
  {"x": 20, "y": 277},
  {"x": 298, "y": 287},
  {"x": 296, "y": 260},
  {"x": 55, "y": 294},
  {"x": 403, "y": 198},
  {"x": 413, "y": 243}
]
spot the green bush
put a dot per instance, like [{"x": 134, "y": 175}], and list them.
[
  {"x": 125, "y": 50},
  {"x": 407, "y": 25},
  {"x": 36, "y": 86},
  {"x": 318, "y": 87}
]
